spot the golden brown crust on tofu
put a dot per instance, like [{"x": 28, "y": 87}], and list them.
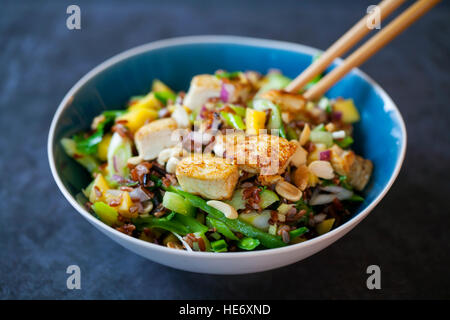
[
  {"x": 341, "y": 160},
  {"x": 269, "y": 180},
  {"x": 157, "y": 125},
  {"x": 264, "y": 154},
  {"x": 207, "y": 176},
  {"x": 288, "y": 102},
  {"x": 360, "y": 173}
]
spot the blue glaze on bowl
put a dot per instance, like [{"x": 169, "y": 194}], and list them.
[{"x": 380, "y": 135}]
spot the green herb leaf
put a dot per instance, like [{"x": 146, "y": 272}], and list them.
[
  {"x": 356, "y": 198},
  {"x": 301, "y": 205},
  {"x": 345, "y": 142},
  {"x": 228, "y": 75},
  {"x": 90, "y": 144},
  {"x": 165, "y": 96}
]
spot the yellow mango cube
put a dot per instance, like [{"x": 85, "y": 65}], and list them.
[
  {"x": 312, "y": 179},
  {"x": 136, "y": 118},
  {"x": 99, "y": 188},
  {"x": 159, "y": 86},
  {"x": 254, "y": 121},
  {"x": 147, "y": 102},
  {"x": 102, "y": 151},
  {"x": 348, "y": 110},
  {"x": 325, "y": 226},
  {"x": 124, "y": 207}
]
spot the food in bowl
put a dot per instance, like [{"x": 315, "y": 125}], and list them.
[{"x": 234, "y": 164}]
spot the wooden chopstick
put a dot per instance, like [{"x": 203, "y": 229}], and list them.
[
  {"x": 341, "y": 46},
  {"x": 383, "y": 37}
]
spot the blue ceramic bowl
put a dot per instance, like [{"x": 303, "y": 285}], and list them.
[{"x": 380, "y": 135}]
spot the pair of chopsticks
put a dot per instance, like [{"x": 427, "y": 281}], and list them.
[{"x": 368, "y": 49}]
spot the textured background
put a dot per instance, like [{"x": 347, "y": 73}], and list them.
[{"x": 40, "y": 234}]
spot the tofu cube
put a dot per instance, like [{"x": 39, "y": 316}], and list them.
[
  {"x": 207, "y": 176},
  {"x": 264, "y": 154},
  {"x": 288, "y": 102},
  {"x": 154, "y": 137},
  {"x": 206, "y": 86}
]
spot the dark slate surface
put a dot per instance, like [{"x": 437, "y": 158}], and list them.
[{"x": 407, "y": 234}]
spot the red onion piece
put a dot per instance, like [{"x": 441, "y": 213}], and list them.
[
  {"x": 118, "y": 178},
  {"x": 202, "y": 112},
  {"x": 337, "y": 115},
  {"x": 322, "y": 199},
  {"x": 340, "y": 192},
  {"x": 139, "y": 194},
  {"x": 226, "y": 92},
  {"x": 325, "y": 155},
  {"x": 115, "y": 164}
]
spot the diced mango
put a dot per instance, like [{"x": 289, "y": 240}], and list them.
[
  {"x": 159, "y": 86},
  {"x": 348, "y": 110},
  {"x": 325, "y": 226},
  {"x": 124, "y": 207},
  {"x": 102, "y": 151},
  {"x": 136, "y": 118},
  {"x": 99, "y": 188},
  {"x": 254, "y": 121},
  {"x": 312, "y": 179},
  {"x": 147, "y": 102}
]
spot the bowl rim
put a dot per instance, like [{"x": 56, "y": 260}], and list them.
[{"x": 221, "y": 39}]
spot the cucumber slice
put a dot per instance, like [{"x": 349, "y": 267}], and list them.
[
  {"x": 258, "y": 220},
  {"x": 237, "y": 201},
  {"x": 324, "y": 137},
  {"x": 105, "y": 213},
  {"x": 177, "y": 203},
  {"x": 268, "y": 197},
  {"x": 274, "y": 81}
]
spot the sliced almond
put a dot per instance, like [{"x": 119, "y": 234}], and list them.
[
  {"x": 304, "y": 137},
  {"x": 288, "y": 191},
  {"x": 300, "y": 177},
  {"x": 223, "y": 207},
  {"x": 134, "y": 161},
  {"x": 164, "y": 156},
  {"x": 147, "y": 208},
  {"x": 322, "y": 169},
  {"x": 171, "y": 165},
  {"x": 299, "y": 156}
]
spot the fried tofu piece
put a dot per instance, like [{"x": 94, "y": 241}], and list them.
[
  {"x": 341, "y": 160},
  {"x": 154, "y": 137},
  {"x": 264, "y": 154},
  {"x": 288, "y": 102},
  {"x": 268, "y": 180},
  {"x": 207, "y": 176},
  {"x": 206, "y": 86},
  {"x": 360, "y": 173}
]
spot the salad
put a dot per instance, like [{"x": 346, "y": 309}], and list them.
[{"x": 234, "y": 164}]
